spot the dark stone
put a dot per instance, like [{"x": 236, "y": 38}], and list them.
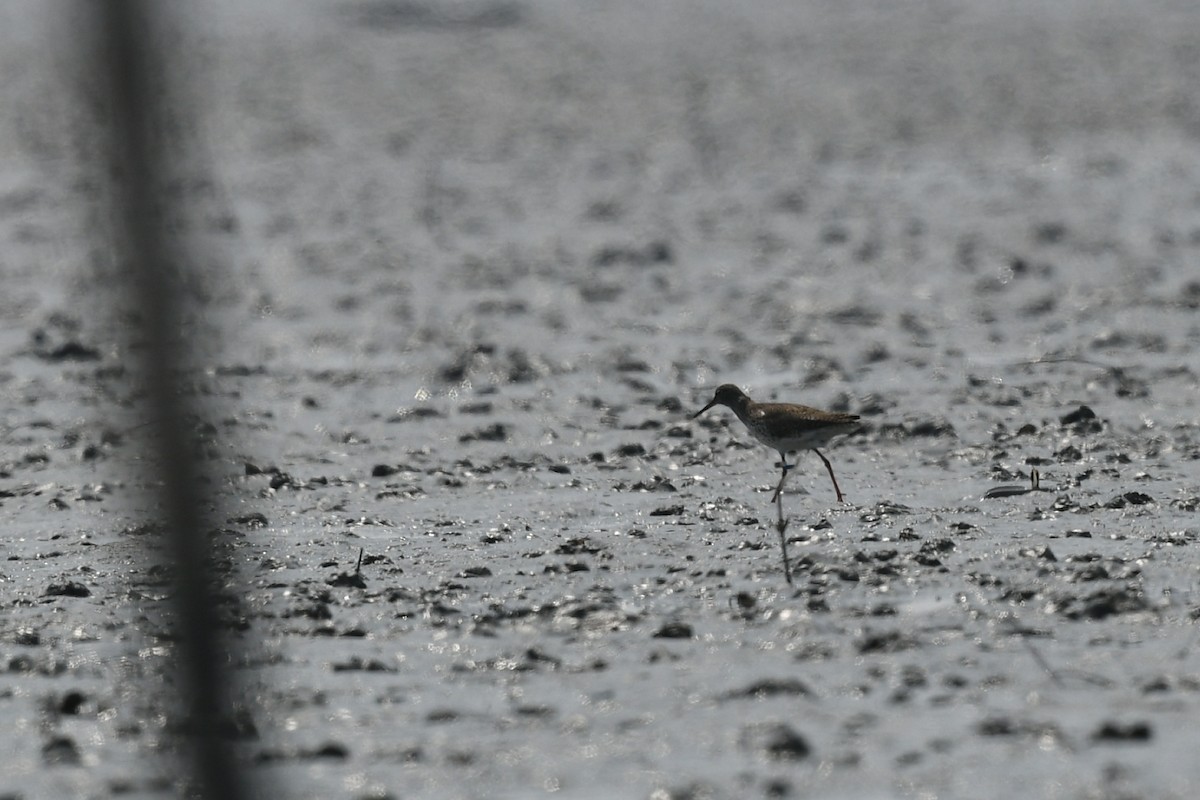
[
  {"x": 332, "y": 750},
  {"x": 252, "y": 520},
  {"x": 69, "y": 589},
  {"x": 60, "y": 751},
  {"x": 667, "y": 511},
  {"x": 778, "y": 741},
  {"x": 887, "y": 642},
  {"x": 496, "y": 432},
  {"x": 674, "y": 630},
  {"x": 769, "y": 687},
  {"x": 1083, "y": 420},
  {"x": 71, "y": 702},
  {"x": 72, "y": 351},
  {"x": 1129, "y": 499},
  {"x": 573, "y": 547},
  {"x": 1115, "y": 732},
  {"x": 997, "y": 726}
]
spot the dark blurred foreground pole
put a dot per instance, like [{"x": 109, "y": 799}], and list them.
[{"x": 133, "y": 67}]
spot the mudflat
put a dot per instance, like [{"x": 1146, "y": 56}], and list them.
[{"x": 460, "y": 274}]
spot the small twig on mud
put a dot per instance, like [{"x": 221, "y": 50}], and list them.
[
  {"x": 1125, "y": 384},
  {"x": 1119, "y": 372},
  {"x": 1042, "y": 662},
  {"x": 1057, "y": 675}
]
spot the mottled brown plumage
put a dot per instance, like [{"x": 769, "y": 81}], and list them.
[{"x": 785, "y": 427}]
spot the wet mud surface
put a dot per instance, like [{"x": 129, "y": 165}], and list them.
[{"x": 467, "y": 271}]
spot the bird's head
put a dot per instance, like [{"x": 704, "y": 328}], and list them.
[{"x": 726, "y": 395}]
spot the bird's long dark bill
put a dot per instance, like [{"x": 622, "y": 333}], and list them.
[{"x": 706, "y": 408}]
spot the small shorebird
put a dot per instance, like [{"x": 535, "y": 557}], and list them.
[{"x": 785, "y": 427}]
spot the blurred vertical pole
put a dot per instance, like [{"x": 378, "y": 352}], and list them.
[{"x": 132, "y": 63}]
